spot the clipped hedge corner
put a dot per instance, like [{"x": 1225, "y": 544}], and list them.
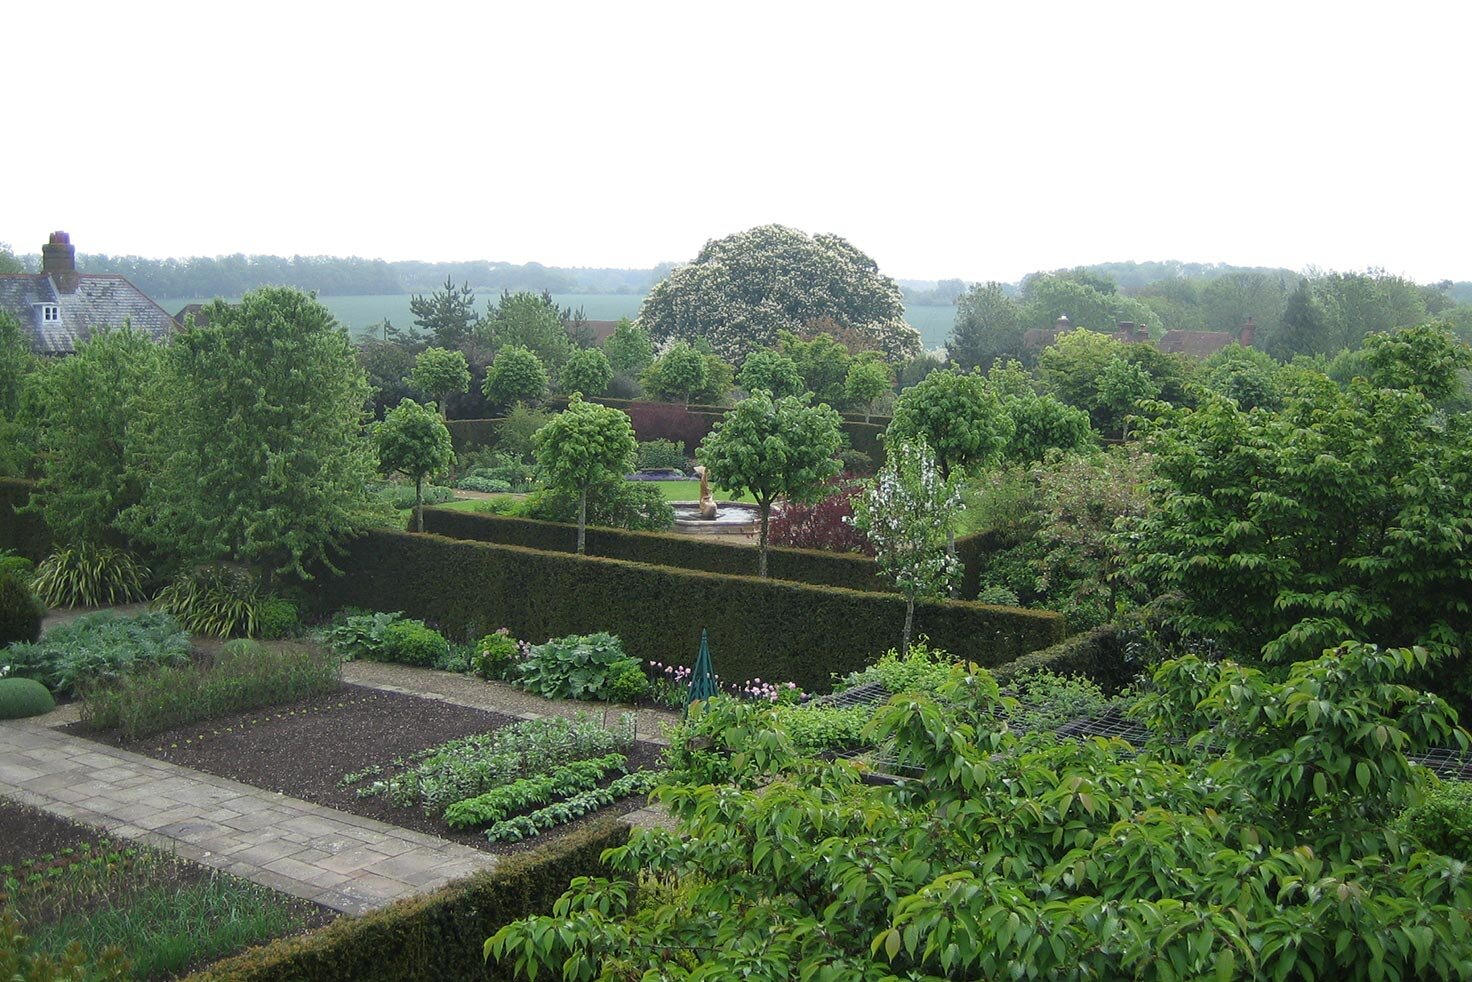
[{"x": 435, "y": 937}]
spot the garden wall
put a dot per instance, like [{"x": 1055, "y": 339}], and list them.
[
  {"x": 770, "y": 629},
  {"x": 435, "y": 936},
  {"x": 26, "y": 534},
  {"x": 814, "y": 566}
]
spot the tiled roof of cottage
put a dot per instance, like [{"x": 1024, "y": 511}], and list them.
[
  {"x": 1198, "y": 344},
  {"x": 94, "y": 301}
]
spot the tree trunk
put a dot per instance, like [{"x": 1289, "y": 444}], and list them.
[
  {"x": 582, "y": 520},
  {"x": 419, "y": 504},
  {"x": 909, "y": 624},
  {"x": 761, "y": 559}
]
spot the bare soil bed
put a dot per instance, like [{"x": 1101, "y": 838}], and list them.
[{"x": 304, "y": 750}]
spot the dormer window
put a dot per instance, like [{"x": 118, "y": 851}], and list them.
[{"x": 50, "y": 313}]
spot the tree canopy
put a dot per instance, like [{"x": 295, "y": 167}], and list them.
[
  {"x": 439, "y": 374},
  {"x": 260, "y": 455},
  {"x": 773, "y": 448},
  {"x": 583, "y": 445},
  {"x": 517, "y": 375},
  {"x": 413, "y": 440},
  {"x": 742, "y": 290}
]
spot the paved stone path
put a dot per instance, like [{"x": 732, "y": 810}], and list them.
[
  {"x": 334, "y": 858},
  {"x": 348, "y": 863}
]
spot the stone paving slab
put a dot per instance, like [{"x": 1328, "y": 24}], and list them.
[{"x": 346, "y": 862}]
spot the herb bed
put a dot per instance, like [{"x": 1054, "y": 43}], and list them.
[{"x": 305, "y": 749}]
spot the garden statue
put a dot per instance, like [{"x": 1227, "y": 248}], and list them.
[{"x": 707, "y": 509}]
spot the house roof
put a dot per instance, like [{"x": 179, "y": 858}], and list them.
[
  {"x": 1198, "y": 344},
  {"x": 86, "y": 303}
]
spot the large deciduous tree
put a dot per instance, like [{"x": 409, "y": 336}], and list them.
[
  {"x": 909, "y": 514},
  {"x": 412, "y": 440},
  {"x": 744, "y": 289},
  {"x": 95, "y": 411},
  {"x": 773, "y": 448},
  {"x": 261, "y": 456},
  {"x": 529, "y": 320},
  {"x": 866, "y": 381},
  {"x": 581, "y": 446},
  {"x": 629, "y": 349},
  {"x": 1345, "y": 515},
  {"x": 440, "y": 373},
  {"x": 988, "y": 326}
]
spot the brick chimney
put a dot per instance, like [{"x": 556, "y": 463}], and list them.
[
  {"x": 1247, "y": 333},
  {"x": 59, "y": 260}
]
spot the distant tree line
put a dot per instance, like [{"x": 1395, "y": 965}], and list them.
[{"x": 334, "y": 276}]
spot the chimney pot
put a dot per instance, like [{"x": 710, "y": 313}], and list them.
[{"x": 59, "y": 255}]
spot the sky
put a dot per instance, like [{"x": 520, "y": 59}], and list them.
[{"x": 981, "y": 140}]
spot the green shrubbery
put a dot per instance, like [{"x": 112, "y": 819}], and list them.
[
  {"x": 1269, "y": 857},
  {"x": 434, "y": 494},
  {"x": 494, "y": 655},
  {"x": 21, "y": 698},
  {"x": 484, "y": 485},
  {"x": 277, "y": 618},
  {"x": 388, "y": 637},
  {"x": 245, "y": 675},
  {"x": 579, "y": 667},
  {"x": 1442, "y": 821},
  {"x": 21, "y": 612},
  {"x": 97, "y": 648},
  {"x": 614, "y": 503},
  {"x": 90, "y": 576},
  {"x": 411, "y": 642}
]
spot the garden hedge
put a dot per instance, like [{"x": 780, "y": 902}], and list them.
[
  {"x": 435, "y": 937},
  {"x": 770, "y": 629},
  {"x": 814, "y": 566},
  {"x": 1099, "y": 654},
  {"x": 26, "y": 534}
]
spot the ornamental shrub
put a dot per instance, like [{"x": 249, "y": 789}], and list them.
[
  {"x": 484, "y": 485},
  {"x": 277, "y": 618},
  {"x": 825, "y": 524},
  {"x": 614, "y": 503},
  {"x": 218, "y": 601},
  {"x": 22, "y": 698},
  {"x": 411, "y": 643},
  {"x": 494, "y": 655},
  {"x": 90, "y": 576},
  {"x": 20, "y": 611},
  {"x": 627, "y": 682}
]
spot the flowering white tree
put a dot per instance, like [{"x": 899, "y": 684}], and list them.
[{"x": 907, "y": 514}]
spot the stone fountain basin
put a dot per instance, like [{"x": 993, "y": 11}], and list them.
[{"x": 732, "y": 518}]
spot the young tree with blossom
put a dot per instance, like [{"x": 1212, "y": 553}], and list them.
[{"x": 908, "y": 514}]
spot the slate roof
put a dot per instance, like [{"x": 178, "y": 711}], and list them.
[
  {"x": 1198, "y": 344},
  {"x": 95, "y": 301}
]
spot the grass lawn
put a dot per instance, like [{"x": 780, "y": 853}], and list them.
[{"x": 690, "y": 491}]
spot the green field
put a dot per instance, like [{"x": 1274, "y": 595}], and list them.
[{"x": 362, "y": 313}]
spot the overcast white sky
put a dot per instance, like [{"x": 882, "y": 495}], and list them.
[{"x": 977, "y": 140}]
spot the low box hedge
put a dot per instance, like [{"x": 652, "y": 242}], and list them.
[
  {"x": 436, "y": 937},
  {"x": 1098, "y": 653},
  {"x": 814, "y": 566},
  {"x": 769, "y": 629},
  {"x": 25, "y": 534}
]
